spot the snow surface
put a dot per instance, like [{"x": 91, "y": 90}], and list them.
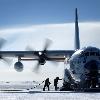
[
  {"x": 25, "y": 87},
  {"x": 50, "y": 96}
]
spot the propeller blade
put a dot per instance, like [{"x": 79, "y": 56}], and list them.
[
  {"x": 47, "y": 44},
  {"x": 7, "y": 60},
  {"x": 36, "y": 68},
  {"x": 2, "y": 42},
  {"x": 28, "y": 48}
]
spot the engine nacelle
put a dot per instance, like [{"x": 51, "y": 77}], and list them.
[
  {"x": 18, "y": 66},
  {"x": 42, "y": 61}
]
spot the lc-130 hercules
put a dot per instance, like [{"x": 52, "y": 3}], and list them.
[{"x": 84, "y": 64}]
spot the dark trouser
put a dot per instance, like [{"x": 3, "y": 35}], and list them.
[
  {"x": 46, "y": 86},
  {"x": 55, "y": 87}
]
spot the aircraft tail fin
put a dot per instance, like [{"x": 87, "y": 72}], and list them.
[{"x": 77, "y": 41}]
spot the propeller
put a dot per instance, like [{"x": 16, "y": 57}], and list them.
[{"x": 42, "y": 56}]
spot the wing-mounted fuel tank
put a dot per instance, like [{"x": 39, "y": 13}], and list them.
[{"x": 18, "y": 66}]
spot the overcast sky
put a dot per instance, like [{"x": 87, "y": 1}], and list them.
[{"x": 30, "y": 22}]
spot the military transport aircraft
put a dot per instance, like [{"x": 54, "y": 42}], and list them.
[{"x": 84, "y": 64}]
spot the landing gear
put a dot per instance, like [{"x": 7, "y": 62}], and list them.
[
  {"x": 92, "y": 82},
  {"x": 92, "y": 75},
  {"x": 69, "y": 87},
  {"x": 66, "y": 87}
]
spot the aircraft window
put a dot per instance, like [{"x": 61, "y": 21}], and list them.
[
  {"x": 92, "y": 53},
  {"x": 97, "y": 54},
  {"x": 87, "y": 54}
]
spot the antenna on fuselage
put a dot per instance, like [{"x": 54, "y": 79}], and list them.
[{"x": 77, "y": 41}]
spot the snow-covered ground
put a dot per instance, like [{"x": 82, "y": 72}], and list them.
[
  {"x": 50, "y": 96},
  {"x": 33, "y": 85},
  {"x": 28, "y": 86}
]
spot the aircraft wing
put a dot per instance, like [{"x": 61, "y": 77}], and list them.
[{"x": 51, "y": 55}]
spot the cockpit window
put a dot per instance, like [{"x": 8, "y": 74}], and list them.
[
  {"x": 97, "y": 54},
  {"x": 92, "y": 53},
  {"x": 86, "y": 53}
]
